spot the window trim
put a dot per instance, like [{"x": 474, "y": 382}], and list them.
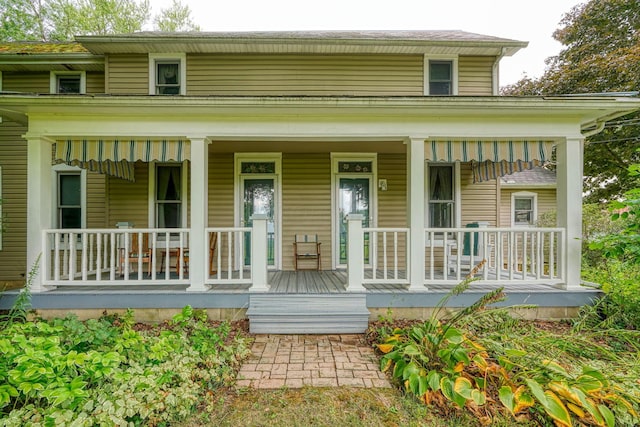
[
  {"x": 454, "y": 72},
  {"x": 457, "y": 196},
  {"x": 534, "y": 205},
  {"x": 152, "y": 192},
  {"x": 181, "y": 58},
  {"x": 66, "y": 169},
  {"x": 54, "y": 75}
]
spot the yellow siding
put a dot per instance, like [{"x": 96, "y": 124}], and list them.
[
  {"x": 128, "y": 74},
  {"x": 13, "y": 160},
  {"x": 479, "y": 201},
  {"x": 26, "y": 82},
  {"x": 96, "y": 202},
  {"x": 546, "y": 202},
  {"x": 95, "y": 83},
  {"x": 221, "y": 190},
  {"x": 128, "y": 201},
  {"x": 304, "y": 74},
  {"x": 306, "y": 202},
  {"x": 392, "y": 204},
  {"x": 475, "y": 75}
]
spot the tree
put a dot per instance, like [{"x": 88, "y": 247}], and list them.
[
  {"x": 601, "y": 54},
  {"x": 61, "y": 20},
  {"x": 175, "y": 18}
]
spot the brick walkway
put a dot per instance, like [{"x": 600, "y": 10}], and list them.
[{"x": 295, "y": 361}]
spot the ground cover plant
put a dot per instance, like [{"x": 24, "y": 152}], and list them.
[
  {"x": 487, "y": 363},
  {"x": 111, "y": 371}
]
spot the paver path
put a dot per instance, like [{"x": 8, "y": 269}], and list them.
[{"x": 316, "y": 360}]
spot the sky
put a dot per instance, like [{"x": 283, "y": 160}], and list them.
[{"x": 523, "y": 20}]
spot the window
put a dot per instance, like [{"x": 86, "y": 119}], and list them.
[
  {"x": 168, "y": 196},
  {"x": 524, "y": 209},
  {"x": 441, "y": 196},
  {"x": 69, "y": 188},
  {"x": 65, "y": 82},
  {"x": 441, "y": 75},
  {"x": 167, "y": 75}
]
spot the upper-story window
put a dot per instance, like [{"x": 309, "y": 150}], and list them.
[
  {"x": 68, "y": 82},
  {"x": 167, "y": 75},
  {"x": 441, "y": 76}
]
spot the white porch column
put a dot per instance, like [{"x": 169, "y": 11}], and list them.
[
  {"x": 259, "y": 273},
  {"x": 355, "y": 253},
  {"x": 569, "y": 155},
  {"x": 198, "y": 240},
  {"x": 415, "y": 211},
  {"x": 39, "y": 205}
]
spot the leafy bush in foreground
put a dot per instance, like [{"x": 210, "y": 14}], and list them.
[
  {"x": 105, "y": 372},
  {"x": 454, "y": 363}
]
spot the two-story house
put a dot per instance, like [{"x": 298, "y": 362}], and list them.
[{"x": 154, "y": 170}]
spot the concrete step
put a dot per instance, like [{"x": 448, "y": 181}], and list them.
[{"x": 308, "y": 313}]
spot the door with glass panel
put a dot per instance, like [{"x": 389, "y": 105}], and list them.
[
  {"x": 259, "y": 198},
  {"x": 354, "y": 197}
]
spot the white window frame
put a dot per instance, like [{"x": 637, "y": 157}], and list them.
[
  {"x": 66, "y": 169},
  {"x": 181, "y": 58},
  {"x": 534, "y": 206},
  {"x": 54, "y": 75},
  {"x": 457, "y": 196},
  {"x": 454, "y": 72},
  {"x": 152, "y": 192}
]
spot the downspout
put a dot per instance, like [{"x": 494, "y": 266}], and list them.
[{"x": 495, "y": 72}]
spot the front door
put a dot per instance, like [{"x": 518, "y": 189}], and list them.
[
  {"x": 354, "y": 197},
  {"x": 259, "y": 198}
]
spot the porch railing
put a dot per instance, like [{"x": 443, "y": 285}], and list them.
[
  {"x": 516, "y": 255},
  {"x": 115, "y": 256},
  {"x": 229, "y": 260},
  {"x": 388, "y": 257}
]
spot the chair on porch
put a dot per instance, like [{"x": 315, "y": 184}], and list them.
[
  {"x": 472, "y": 248},
  {"x": 306, "y": 248},
  {"x": 213, "y": 243},
  {"x": 139, "y": 250}
]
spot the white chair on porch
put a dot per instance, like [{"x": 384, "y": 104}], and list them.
[{"x": 468, "y": 253}]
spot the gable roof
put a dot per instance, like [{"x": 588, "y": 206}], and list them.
[
  {"x": 390, "y": 42},
  {"x": 45, "y": 56},
  {"x": 536, "y": 177}
]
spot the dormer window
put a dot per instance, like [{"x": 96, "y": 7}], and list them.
[
  {"x": 167, "y": 75},
  {"x": 441, "y": 76},
  {"x": 67, "y": 82}
]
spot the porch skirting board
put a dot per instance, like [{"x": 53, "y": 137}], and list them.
[{"x": 308, "y": 313}]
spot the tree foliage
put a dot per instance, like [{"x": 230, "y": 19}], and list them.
[
  {"x": 601, "y": 53},
  {"x": 61, "y": 20},
  {"x": 175, "y": 18}
]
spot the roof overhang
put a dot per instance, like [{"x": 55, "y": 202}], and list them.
[
  {"x": 585, "y": 112},
  {"x": 307, "y": 42},
  {"x": 51, "y": 62}
]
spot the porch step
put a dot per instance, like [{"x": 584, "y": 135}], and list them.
[{"x": 307, "y": 313}]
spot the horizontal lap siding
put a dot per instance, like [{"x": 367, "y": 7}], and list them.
[
  {"x": 221, "y": 190},
  {"x": 96, "y": 201},
  {"x": 95, "y": 83},
  {"x": 13, "y": 160},
  {"x": 475, "y": 75},
  {"x": 306, "y": 202},
  {"x": 304, "y": 74},
  {"x": 479, "y": 201},
  {"x": 546, "y": 203},
  {"x": 26, "y": 82},
  {"x": 128, "y": 201},
  {"x": 392, "y": 204},
  {"x": 128, "y": 74}
]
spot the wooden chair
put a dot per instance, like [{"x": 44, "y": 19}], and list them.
[
  {"x": 306, "y": 247},
  {"x": 139, "y": 250}
]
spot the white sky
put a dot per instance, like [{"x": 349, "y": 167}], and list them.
[{"x": 524, "y": 20}]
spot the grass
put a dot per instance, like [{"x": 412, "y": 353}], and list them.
[{"x": 313, "y": 406}]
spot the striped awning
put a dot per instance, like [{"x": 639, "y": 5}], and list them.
[
  {"x": 491, "y": 159},
  {"x": 116, "y": 157}
]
